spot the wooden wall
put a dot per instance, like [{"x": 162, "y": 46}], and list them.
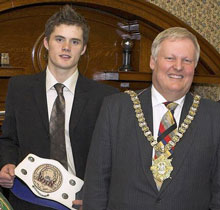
[{"x": 22, "y": 26}]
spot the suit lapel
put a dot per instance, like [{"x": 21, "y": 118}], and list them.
[
  {"x": 39, "y": 92},
  {"x": 183, "y": 146},
  {"x": 80, "y": 98},
  {"x": 144, "y": 145},
  {"x": 79, "y": 103}
]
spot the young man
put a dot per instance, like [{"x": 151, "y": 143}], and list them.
[
  {"x": 149, "y": 153},
  {"x": 30, "y": 99}
]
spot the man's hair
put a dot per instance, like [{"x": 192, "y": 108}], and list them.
[
  {"x": 174, "y": 33},
  {"x": 68, "y": 16}
]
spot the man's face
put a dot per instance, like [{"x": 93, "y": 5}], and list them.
[
  {"x": 65, "y": 46},
  {"x": 173, "y": 70}
]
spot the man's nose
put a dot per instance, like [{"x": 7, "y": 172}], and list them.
[
  {"x": 66, "y": 47},
  {"x": 178, "y": 65}
]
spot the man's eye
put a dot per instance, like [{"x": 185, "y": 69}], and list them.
[
  {"x": 58, "y": 39},
  {"x": 169, "y": 58},
  {"x": 186, "y": 60},
  {"x": 75, "y": 42}
]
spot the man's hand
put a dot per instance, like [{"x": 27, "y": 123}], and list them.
[
  {"x": 7, "y": 175},
  {"x": 77, "y": 204}
]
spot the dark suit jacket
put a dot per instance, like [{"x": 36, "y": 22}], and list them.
[
  {"x": 26, "y": 125},
  {"x": 118, "y": 175}
]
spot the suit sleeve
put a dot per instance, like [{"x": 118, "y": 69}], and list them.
[
  {"x": 8, "y": 139},
  {"x": 215, "y": 183},
  {"x": 215, "y": 175},
  {"x": 97, "y": 177}
]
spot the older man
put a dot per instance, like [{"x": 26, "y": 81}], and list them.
[{"x": 158, "y": 148}]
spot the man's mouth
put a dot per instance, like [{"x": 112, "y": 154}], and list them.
[
  {"x": 174, "y": 76},
  {"x": 65, "y": 56}
]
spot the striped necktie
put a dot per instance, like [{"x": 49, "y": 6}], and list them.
[
  {"x": 167, "y": 126},
  {"x": 167, "y": 130},
  {"x": 57, "y": 127}
]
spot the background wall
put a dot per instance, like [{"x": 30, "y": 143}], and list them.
[{"x": 204, "y": 17}]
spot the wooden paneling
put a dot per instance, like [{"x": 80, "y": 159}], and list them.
[{"x": 22, "y": 27}]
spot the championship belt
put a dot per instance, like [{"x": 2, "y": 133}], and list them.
[
  {"x": 45, "y": 182},
  {"x": 4, "y": 204}
]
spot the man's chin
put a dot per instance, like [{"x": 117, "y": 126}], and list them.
[
  {"x": 174, "y": 94},
  {"x": 66, "y": 67}
]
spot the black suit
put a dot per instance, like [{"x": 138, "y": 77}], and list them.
[
  {"x": 118, "y": 175},
  {"x": 26, "y": 125}
]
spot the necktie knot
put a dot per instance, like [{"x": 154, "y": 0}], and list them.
[
  {"x": 59, "y": 88},
  {"x": 170, "y": 105}
]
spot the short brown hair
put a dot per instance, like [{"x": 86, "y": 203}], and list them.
[{"x": 68, "y": 16}]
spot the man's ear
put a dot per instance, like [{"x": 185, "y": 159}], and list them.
[
  {"x": 152, "y": 63},
  {"x": 84, "y": 49},
  {"x": 46, "y": 45}
]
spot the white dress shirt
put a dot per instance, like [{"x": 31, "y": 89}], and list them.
[
  {"x": 68, "y": 92},
  {"x": 159, "y": 110}
]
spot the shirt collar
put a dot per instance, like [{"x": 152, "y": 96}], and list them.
[
  {"x": 158, "y": 99},
  {"x": 70, "y": 83}
]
